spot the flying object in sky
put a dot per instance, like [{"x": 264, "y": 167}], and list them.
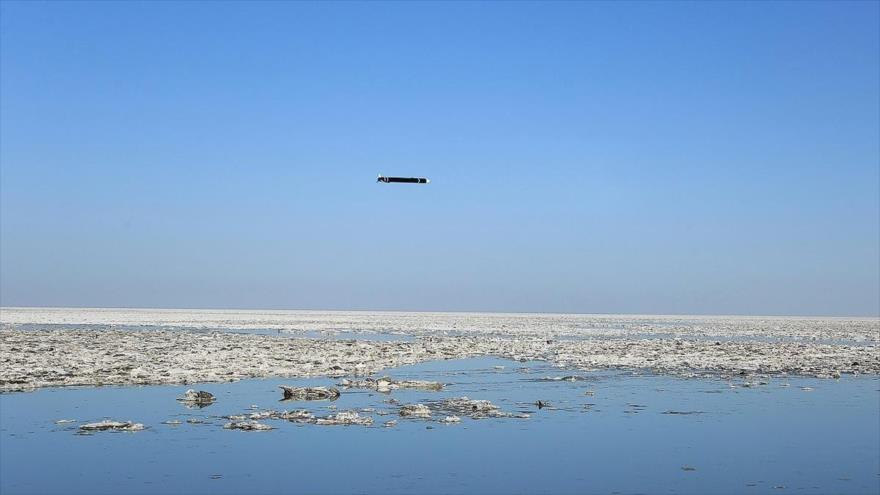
[{"x": 406, "y": 180}]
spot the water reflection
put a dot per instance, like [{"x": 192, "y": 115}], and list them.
[{"x": 598, "y": 432}]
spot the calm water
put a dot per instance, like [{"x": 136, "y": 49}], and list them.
[{"x": 621, "y": 439}]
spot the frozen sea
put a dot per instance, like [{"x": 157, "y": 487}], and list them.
[{"x": 610, "y": 432}]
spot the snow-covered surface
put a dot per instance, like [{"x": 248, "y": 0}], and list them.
[
  {"x": 65, "y": 347},
  {"x": 502, "y": 324}
]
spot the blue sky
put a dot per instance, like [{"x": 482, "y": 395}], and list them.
[{"x": 585, "y": 157}]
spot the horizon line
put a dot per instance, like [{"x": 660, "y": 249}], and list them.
[{"x": 715, "y": 315}]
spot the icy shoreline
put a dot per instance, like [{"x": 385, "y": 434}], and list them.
[
  {"x": 830, "y": 329},
  {"x": 73, "y": 357}
]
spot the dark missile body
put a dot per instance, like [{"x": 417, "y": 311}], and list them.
[{"x": 405, "y": 180}]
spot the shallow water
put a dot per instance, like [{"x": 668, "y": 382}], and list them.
[{"x": 634, "y": 434}]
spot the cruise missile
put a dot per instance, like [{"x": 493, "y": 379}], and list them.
[{"x": 405, "y": 180}]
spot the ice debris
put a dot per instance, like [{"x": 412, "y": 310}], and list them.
[
  {"x": 415, "y": 410},
  {"x": 310, "y": 393},
  {"x": 247, "y": 426},
  {"x": 112, "y": 425},
  {"x": 387, "y": 384},
  {"x": 477, "y": 409},
  {"x": 678, "y": 346},
  {"x": 192, "y": 398},
  {"x": 345, "y": 418},
  {"x": 298, "y": 415}
]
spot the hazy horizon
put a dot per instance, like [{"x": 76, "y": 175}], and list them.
[
  {"x": 342, "y": 310},
  {"x": 585, "y": 158}
]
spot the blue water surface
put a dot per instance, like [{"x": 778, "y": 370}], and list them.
[{"x": 603, "y": 432}]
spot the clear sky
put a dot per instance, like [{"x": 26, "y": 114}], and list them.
[{"x": 591, "y": 157}]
